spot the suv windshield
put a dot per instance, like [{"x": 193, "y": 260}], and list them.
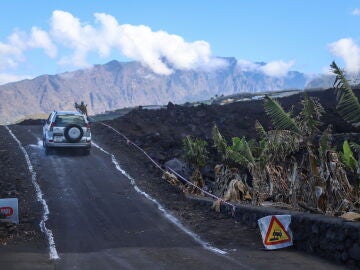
[{"x": 64, "y": 120}]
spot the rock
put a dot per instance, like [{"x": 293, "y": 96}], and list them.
[
  {"x": 315, "y": 228},
  {"x": 348, "y": 243},
  {"x": 344, "y": 256},
  {"x": 170, "y": 105},
  {"x": 178, "y": 166},
  {"x": 25, "y": 220},
  {"x": 11, "y": 229},
  {"x": 330, "y": 235},
  {"x": 158, "y": 156},
  {"x": 207, "y": 171},
  {"x": 354, "y": 252}
]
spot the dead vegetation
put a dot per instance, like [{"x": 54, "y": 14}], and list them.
[{"x": 293, "y": 165}]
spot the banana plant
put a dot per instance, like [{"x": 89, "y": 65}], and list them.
[
  {"x": 219, "y": 143},
  {"x": 348, "y": 104},
  {"x": 305, "y": 124},
  {"x": 356, "y": 148},
  {"x": 347, "y": 157},
  {"x": 348, "y": 107},
  {"x": 256, "y": 156},
  {"x": 195, "y": 153},
  {"x": 304, "y": 127}
]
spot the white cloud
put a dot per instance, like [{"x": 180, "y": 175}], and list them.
[
  {"x": 41, "y": 39},
  {"x": 349, "y": 51},
  {"x": 12, "y": 51},
  {"x": 157, "y": 50},
  {"x": 70, "y": 42},
  {"x": 356, "y": 12},
  {"x": 277, "y": 68},
  {"x": 246, "y": 65},
  {"x": 7, "y": 78},
  {"x": 326, "y": 70}
]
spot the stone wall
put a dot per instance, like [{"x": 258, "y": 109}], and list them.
[{"x": 325, "y": 236}]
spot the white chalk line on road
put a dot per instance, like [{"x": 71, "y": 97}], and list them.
[
  {"x": 40, "y": 197},
  {"x": 169, "y": 216}
]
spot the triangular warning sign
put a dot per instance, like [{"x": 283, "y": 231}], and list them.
[{"x": 276, "y": 233}]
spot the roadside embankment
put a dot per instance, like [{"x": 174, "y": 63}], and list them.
[{"x": 329, "y": 237}]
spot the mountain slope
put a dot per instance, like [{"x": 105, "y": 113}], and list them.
[{"x": 118, "y": 84}]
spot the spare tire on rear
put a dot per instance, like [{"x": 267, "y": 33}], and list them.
[{"x": 73, "y": 133}]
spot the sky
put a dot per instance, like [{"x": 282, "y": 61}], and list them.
[{"x": 49, "y": 37}]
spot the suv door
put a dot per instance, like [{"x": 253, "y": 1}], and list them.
[{"x": 46, "y": 126}]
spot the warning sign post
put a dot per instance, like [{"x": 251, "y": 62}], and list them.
[
  {"x": 275, "y": 231},
  {"x": 9, "y": 210}
]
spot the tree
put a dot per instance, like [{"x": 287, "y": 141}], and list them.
[{"x": 82, "y": 107}]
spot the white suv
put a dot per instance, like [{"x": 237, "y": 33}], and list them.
[{"x": 67, "y": 129}]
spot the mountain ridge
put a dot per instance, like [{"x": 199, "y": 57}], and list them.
[{"x": 125, "y": 84}]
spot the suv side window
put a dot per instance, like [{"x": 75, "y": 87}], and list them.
[{"x": 49, "y": 118}]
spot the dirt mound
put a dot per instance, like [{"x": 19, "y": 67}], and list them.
[
  {"x": 31, "y": 122},
  {"x": 160, "y": 132},
  {"x": 15, "y": 182}
]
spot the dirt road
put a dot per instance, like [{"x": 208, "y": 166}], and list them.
[{"x": 100, "y": 219}]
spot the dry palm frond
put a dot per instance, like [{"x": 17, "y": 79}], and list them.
[
  {"x": 221, "y": 179},
  {"x": 198, "y": 181},
  {"x": 338, "y": 173},
  {"x": 294, "y": 184},
  {"x": 216, "y": 205},
  {"x": 171, "y": 178},
  {"x": 218, "y": 169},
  {"x": 278, "y": 178},
  {"x": 325, "y": 142},
  {"x": 351, "y": 216},
  {"x": 338, "y": 191},
  {"x": 321, "y": 198},
  {"x": 258, "y": 191},
  {"x": 280, "y": 144},
  {"x": 223, "y": 176},
  {"x": 236, "y": 191}
]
